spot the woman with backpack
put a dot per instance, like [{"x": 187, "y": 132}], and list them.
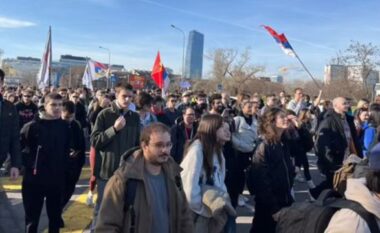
[
  {"x": 366, "y": 192},
  {"x": 204, "y": 167},
  {"x": 270, "y": 177}
]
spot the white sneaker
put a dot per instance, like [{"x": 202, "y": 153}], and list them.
[
  {"x": 241, "y": 200},
  {"x": 311, "y": 184},
  {"x": 299, "y": 178},
  {"x": 89, "y": 200}
]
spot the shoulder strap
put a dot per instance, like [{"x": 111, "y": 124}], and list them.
[
  {"x": 129, "y": 201},
  {"x": 358, "y": 209}
]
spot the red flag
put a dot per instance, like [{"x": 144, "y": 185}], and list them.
[{"x": 158, "y": 72}]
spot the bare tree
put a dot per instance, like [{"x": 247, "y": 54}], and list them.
[
  {"x": 234, "y": 70},
  {"x": 366, "y": 56}
]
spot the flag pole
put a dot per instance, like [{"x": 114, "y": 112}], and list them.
[
  {"x": 306, "y": 69},
  {"x": 50, "y": 57}
]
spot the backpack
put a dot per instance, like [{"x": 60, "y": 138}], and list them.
[
  {"x": 131, "y": 188},
  {"x": 353, "y": 167},
  {"x": 315, "y": 217}
]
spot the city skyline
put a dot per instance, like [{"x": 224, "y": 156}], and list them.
[{"x": 135, "y": 30}]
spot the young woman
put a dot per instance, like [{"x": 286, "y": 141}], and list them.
[
  {"x": 299, "y": 142},
  {"x": 370, "y": 131},
  {"x": 244, "y": 139},
  {"x": 204, "y": 163},
  {"x": 361, "y": 119},
  {"x": 272, "y": 173}
]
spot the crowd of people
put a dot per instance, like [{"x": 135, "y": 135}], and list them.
[{"x": 181, "y": 163}]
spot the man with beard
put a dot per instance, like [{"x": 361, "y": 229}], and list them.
[
  {"x": 200, "y": 106},
  {"x": 26, "y": 109},
  {"x": 152, "y": 179},
  {"x": 182, "y": 133},
  {"x": 216, "y": 104},
  {"x": 80, "y": 110}
]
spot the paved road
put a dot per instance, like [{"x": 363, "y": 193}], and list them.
[{"x": 78, "y": 215}]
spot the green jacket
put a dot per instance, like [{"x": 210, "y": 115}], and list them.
[{"x": 108, "y": 143}]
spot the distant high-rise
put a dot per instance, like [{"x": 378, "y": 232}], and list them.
[{"x": 194, "y": 56}]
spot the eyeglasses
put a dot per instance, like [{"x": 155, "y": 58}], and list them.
[
  {"x": 162, "y": 146},
  {"x": 75, "y": 97},
  {"x": 173, "y": 101},
  {"x": 27, "y": 96}
]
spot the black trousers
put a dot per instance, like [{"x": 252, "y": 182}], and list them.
[
  {"x": 33, "y": 196},
  {"x": 71, "y": 180},
  {"x": 326, "y": 184},
  {"x": 243, "y": 161},
  {"x": 263, "y": 221},
  {"x": 301, "y": 160}
]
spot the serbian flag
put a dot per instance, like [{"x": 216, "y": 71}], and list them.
[
  {"x": 282, "y": 41},
  {"x": 94, "y": 70},
  {"x": 159, "y": 74},
  {"x": 44, "y": 74}
]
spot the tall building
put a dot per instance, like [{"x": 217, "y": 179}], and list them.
[{"x": 194, "y": 56}]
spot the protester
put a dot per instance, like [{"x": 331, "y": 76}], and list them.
[
  {"x": 336, "y": 140},
  {"x": 271, "y": 176},
  {"x": 45, "y": 147},
  {"x": 299, "y": 142},
  {"x": 298, "y": 102},
  {"x": 185, "y": 102},
  {"x": 143, "y": 105},
  {"x": 26, "y": 109},
  {"x": 270, "y": 102},
  {"x": 370, "y": 131},
  {"x": 366, "y": 192},
  {"x": 182, "y": 133},
  {"x": 170, "y": 111},
  {"x": 77, "y": 152},
  {"x": 244, "y": 140},
  {"x": 9, "y": 134},
  {"x": 159, "y": 203},
  {"x": 204, "y": 165},
  {"x": 116, "y": 130}
]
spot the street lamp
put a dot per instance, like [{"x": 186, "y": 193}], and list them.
[
  {"x": 109, "y": 63},
  {"x": 183, "y": 48}
]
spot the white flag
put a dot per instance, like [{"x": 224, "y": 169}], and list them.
[
  {"x": 44, "y": 74},
  {"x": 87, "y": 77}
]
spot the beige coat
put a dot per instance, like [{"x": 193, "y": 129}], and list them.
[
  {"x": 112, "y": 217},
  {"x": 347, "y": 221}
]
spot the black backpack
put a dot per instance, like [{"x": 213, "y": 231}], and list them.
[
  {"x": 131, "y": 188},
  {"x": 315, "y": 217}
]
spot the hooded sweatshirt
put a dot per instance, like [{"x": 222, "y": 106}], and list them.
[{"x": 348, "y": 221}]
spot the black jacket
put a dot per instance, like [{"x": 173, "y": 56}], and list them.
[
  {"x": 331, "y": 142},
  {"x": 77, "y": 144},
  {"x": 45, "y": 151},
  {"x": 26, "y": 113},
  {"x": 178, "y": 137},
  {"x": 9, "y": 133},
  {"x": 81, "y": 115},
  {"x": 271, "y": 176}
]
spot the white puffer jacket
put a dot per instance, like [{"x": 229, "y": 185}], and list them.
[
  {"x": 244, "y": 137},
  {"x": 192, "y": 166}
]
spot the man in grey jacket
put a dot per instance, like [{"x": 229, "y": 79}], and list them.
[{"x": 116, "y": 130}]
